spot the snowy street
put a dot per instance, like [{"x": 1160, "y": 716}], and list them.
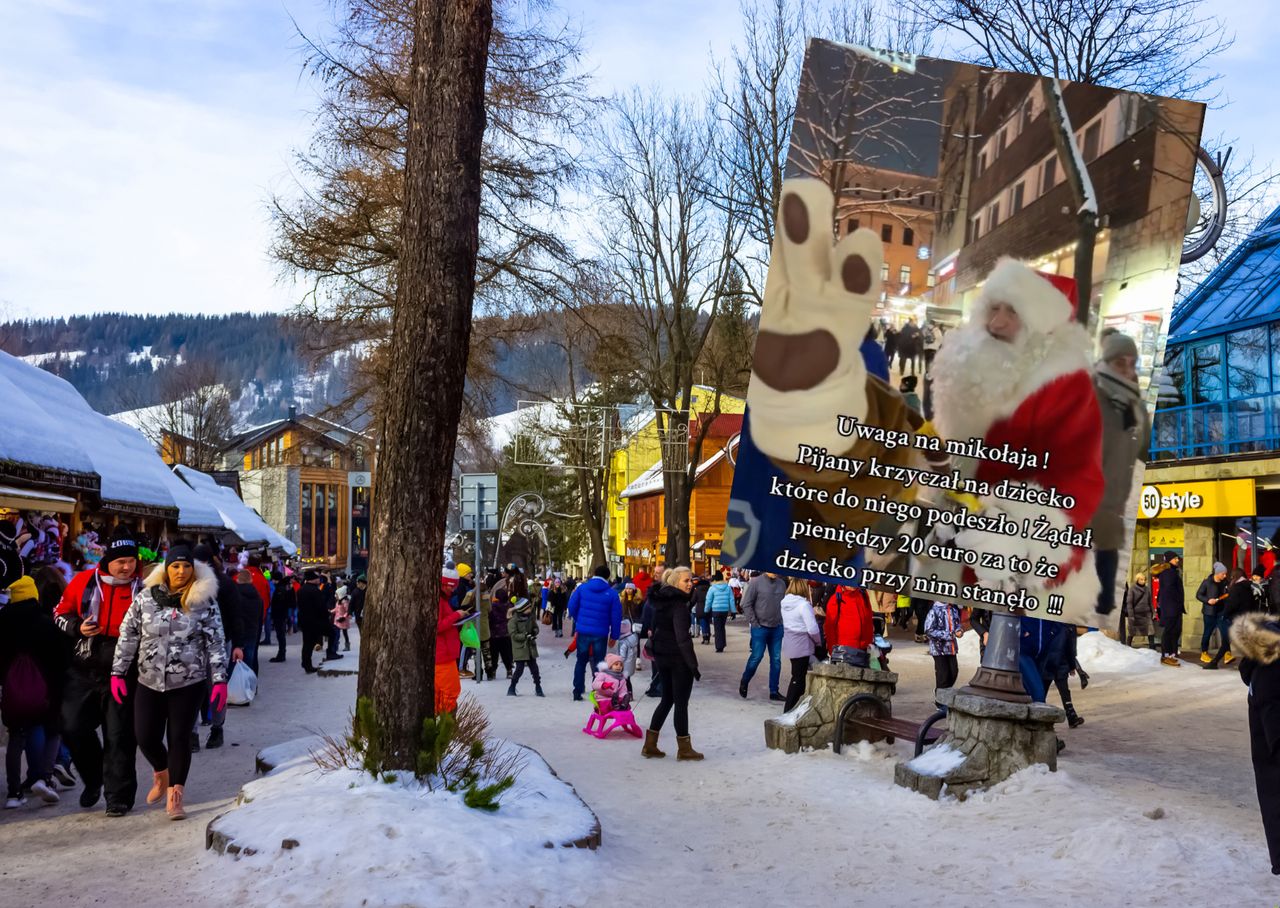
[{"x": 746, "y": 820}]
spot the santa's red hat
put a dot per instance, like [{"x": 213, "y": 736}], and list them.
[{"x": 1043, "y": 301}]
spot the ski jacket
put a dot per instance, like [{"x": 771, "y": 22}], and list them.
[
  {"x": 91, "y": 593},
  {"x": 596, "y": 609},
  {"x": 176, "y": 648},
  {"x": 448, "y": 641},
  {"x": 523, "y": 624},
  {"x": 628, "y": 648},
  {"x": 941, "y": 626},
  {"x": 720, "y": 598},
  {"x": 849, "y": 620}
]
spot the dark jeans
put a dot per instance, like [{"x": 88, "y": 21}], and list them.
[
  {"x": 677, "y": 687},
  {"x": 334, "y": 634},
  {"x": 309, "y": 640},
  {"x": 280, "y": 621},
  {"x": 267, "y": 624},
  {"x": 719, "y": 619},
  {"x": 1064, "y": 689},
  {"x": 1107, "y": 562},
  {"x": 40, "y": 743},
  {"x": 557, "y": 621},
  {"x": 108, "y": 763},
  {"x": 1213, "y": 620},
  {"x": 533, "y": 670},
  {"x": 795, "y": 689},
  {"x": 762, "y": 638},
  {"x": 1171, "y": 637},
  {"x": 945, "y": 671},
  {"x": 251, "y": 652},
  {"x": 167, "y": 714},
  {"x": 921, "y": 608},
  {"x": 590, "y": 651},
  {"x": 704, "y": 625},
  {"x": 501, "y": 647},
  {"x": 1224, "y": 627},
  {"x": 1031, "y": 678}
]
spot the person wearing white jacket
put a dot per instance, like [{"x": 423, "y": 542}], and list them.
[{"x": 800, "y": 635}]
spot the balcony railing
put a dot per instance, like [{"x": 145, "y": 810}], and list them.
[{"x": 1243, "y": 425}]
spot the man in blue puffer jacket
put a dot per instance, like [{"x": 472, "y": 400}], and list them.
[{"x": 596, "y": 611}]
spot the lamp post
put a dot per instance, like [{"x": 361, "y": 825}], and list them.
[{"x": 999, "y": 676}]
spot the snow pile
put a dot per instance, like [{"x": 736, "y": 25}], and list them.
[
  {"x": 937, "y": 760},
  {"x": 1099, "y": 653},
  {"x": 791, "y": 718},
  {"x": 39, "y": 359},
  {"x": 370, "y": 843},
  {"x": 279, "y": 754}
]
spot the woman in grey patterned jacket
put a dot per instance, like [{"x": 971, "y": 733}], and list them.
[{"x": 175, "y": 629}]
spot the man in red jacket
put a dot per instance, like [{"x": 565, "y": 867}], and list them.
[
  {"x": 92, "y": 607},
  {"x": 849, "y": 619}
]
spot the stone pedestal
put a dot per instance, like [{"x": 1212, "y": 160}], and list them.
[
  {"x": 828, "y": 686},
  {"x": 987, "y": 741}
]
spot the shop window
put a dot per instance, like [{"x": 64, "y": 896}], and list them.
[
  {"x": 1248, "y": 365},
  {"x": 331, "y": 521},
  {"x": 305, "y": 519},
  {"x": 886, "y": 233},
  {"x": 908, "y": 236}
]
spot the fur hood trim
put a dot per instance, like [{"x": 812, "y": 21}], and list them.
[
  {"x": 1040, "y": 305},
  {"x": 1256, "y": 636},
  {"x": 204, "y": 588}
]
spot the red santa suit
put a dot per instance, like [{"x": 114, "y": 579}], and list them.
[{"x": 1035, "y": 393}]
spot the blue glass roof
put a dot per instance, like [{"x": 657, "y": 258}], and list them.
[{"x": 1243, "y": 290}]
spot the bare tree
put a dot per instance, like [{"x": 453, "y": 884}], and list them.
[
  {"x": 340, "y": 230},
  {"x": 756, "y": 90},
  {"x": 431, "y": 326},
  {"x": 670, "y": 249},
  {"x": 194, "y": 421}
]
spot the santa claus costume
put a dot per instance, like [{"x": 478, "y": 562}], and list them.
[{"x": 1034, "y": 392}]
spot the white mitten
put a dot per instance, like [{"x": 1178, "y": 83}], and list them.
[{"x": 807, "y": 369}]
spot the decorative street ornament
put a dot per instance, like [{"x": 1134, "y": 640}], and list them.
[{"x": 1208, "y": 212}]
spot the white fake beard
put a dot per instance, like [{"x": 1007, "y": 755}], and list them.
[{"x": 976, "y": 378}]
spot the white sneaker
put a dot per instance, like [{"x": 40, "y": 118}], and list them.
[
  {"x": 14, "y": 802},
  {"x": 45, "y": 793},
  {"x": 64, "y": 775}
]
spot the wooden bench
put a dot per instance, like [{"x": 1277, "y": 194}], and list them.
[{"x": 866, "y": 718}]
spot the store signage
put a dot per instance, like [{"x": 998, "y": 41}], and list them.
[
  {"x": 359, "y": 480},
  {"x": 1191, "y": 500},
  {"x": 1165, "y": 534}
]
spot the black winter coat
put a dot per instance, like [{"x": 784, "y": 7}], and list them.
[
  {"x": 1240, "y": 599},
  {"x": 1211, "y": 589},
  {"x": 499, "y": 615},
  {"x": 698, "y": 600},
  {"x": 26, "y": 627},
  {"x": 248, "y": 614},
  {"x": 671, "y": 619},
  {"x": 229, "y": 608},
  {"x": 313, "y": 611},
  {"x": 1171, "y": 600},
  {"x": 1256, "y": 639}
]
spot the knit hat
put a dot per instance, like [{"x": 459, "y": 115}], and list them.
[
  {"x": 1043, "y": 301},
  {"x": 179, "y": 551},
  {"x": 122, "y": 545},
  {"x": 449, "y": 574},
  {"x": 1116, "y": 344},
  {"x": 464, "y": 570},
  {"x": 203, "y": 553},
  {"x": 22, "y": 590},
  {"x": 1170, "y": 555},
  {"x": 1219, "y": 567}
]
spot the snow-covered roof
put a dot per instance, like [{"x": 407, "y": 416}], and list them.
[
  {"x": 236, "y": 515},
  {"x": 650, "y": 480},
  {"x": 146, "y": 419},
  {"x": 33, "y": 434}
]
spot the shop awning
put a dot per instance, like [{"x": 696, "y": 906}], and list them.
[{"x": 25, "y": 499}]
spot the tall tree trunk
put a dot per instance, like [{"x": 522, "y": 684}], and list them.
[
  {"x": 591, "y": 508},
  {"x": 431, "y": 330},
  {"x": 677, "y": 491}
]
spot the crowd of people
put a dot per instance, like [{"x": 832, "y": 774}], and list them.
[{"x": 134, "y": 651}]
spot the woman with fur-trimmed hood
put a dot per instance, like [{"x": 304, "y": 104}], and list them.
[
  {"x": 1256, "y": 638},
  {"x": 175, "y": 629}
]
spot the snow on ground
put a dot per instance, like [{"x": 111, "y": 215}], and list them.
[
  {"x": 39, "y": 359},
  {"x": 401, "y": 844}
]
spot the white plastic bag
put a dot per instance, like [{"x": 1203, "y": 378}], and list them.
[{"x": 242, "y": 687}]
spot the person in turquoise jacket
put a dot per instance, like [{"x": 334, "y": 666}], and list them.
[{"x": 720, "y": 603}]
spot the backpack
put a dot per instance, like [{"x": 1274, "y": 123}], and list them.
[{"x": 25, "y": 699}]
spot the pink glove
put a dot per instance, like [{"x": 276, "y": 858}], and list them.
[
  {"x": 119, "y": 690},
  {"x": 219, "y": 698}
]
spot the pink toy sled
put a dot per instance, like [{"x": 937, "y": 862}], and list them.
[{"x": 600, "y": 724}]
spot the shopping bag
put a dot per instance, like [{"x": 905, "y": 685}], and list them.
[
  {"x": 242, "y": 687},
  {"x": 469, "y": 636}
]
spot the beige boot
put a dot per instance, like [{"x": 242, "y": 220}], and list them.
[
  {"x": 650, "y": 748},
  {"x": 685, "y": 751},
  {"x": 174, "y": 807},
  {"x": 159, "y": 786}
]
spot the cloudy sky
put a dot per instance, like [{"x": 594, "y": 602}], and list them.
[{"x": 141, "y": 139}]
